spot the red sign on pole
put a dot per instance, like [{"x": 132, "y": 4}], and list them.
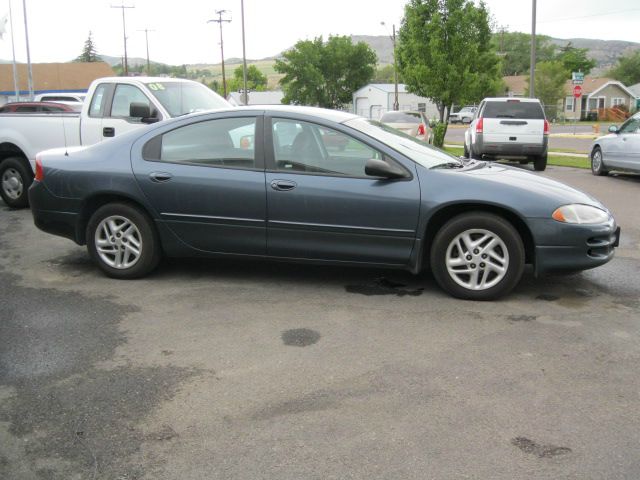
[{"x": 577, "y": 91}]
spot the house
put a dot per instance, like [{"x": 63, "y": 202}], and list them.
[
  {"x": 635, "y": 89},
  {"x": 51, "y": 78},
  {"x": 598, "y": 96},
  {"x": 372, "y": 100},
  {"x": 257, "y": 98}
]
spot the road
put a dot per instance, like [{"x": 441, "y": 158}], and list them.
[
  {"x": 562, "y": 137},
  {"x": 236, "y": 370}
]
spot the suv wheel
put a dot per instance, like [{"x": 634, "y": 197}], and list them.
[{"x": 477, "y": 256}]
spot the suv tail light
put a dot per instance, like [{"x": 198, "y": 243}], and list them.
[
  {"x": 421, "y": 129},
  {"x": 39, "y": 170},
  {"x": 479, "y": 125},
  {"x": 547, "y": 127}
]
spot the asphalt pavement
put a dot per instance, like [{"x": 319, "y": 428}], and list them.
[{"x": 256, "y": 370}]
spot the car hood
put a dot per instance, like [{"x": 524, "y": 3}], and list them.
[{"x": 605, "y": 137}]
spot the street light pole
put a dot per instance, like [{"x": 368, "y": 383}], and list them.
[
  {"x": 13, "y": 51},
  {"x": 245, "y": 94},
  {"x": 396, "y": 103},
  {"x": 146, "y": 38},
  {"x": 124, "y": 34},
  {"x": 26, "y": 33},
  {"x": 532, "y": 66},
  {"x": 219, "y": 21}
]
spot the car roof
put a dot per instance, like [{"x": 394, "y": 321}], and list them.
[
  {"x": 336, "y": 116},
  {"x": 35, "y": 104},
  {"x": 511, "y": 99}
]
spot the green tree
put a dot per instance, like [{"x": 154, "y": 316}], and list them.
[
  {"x": 515, "y": 50},
  {"x": 551, "y": 78},
  {"x": 445, "y": 53},
  {"x": 325, "y": 74},
  {"x": 89, "y": 53},
  {"x": 627, "y": 69},
  {"x": 384, "y": 74},
  {"x": 575, "y": 59},
  {"x": 256, "y": 80}
]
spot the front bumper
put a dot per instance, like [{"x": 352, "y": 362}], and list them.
[
  {"x": 581, "y": 247},
  {"x": 52, "y": 214}
]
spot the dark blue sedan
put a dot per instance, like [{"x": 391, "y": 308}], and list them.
[{"x": 312, "y": 185}]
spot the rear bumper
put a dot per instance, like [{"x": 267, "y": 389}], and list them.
[
  {"x": 510, "y": 149},
  {"x": 52, "y": 214},
  {"x": 584, "y": 246}
]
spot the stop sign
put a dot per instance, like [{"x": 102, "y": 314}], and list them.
[{"x": 577, "y": 91}]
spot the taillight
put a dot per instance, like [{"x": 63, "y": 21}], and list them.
[
  {"x": 479, "y": 125},
  {"x": 547, "y": 127},
  {"x": 39, "y": 170},
  {"x": 421, "y": 129}
]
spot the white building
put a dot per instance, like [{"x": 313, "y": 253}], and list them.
[{"x": 372, "y": 100}]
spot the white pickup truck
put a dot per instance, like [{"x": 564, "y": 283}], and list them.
[{"x": 113, "y": 106}]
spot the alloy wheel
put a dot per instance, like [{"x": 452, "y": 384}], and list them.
[
  {"x": 12, "y": 183},
  {"x": 118, "y": 242}
]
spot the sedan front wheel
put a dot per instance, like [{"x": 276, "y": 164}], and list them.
[
  {"x": 477, "y": 256},
  {"x": 122, "y": 241}
]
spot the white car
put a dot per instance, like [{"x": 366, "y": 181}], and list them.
[
  {"x": 619, "y": 150},
  {"x": 464, "y": 115},
  {"x": 507, "y": 127}
]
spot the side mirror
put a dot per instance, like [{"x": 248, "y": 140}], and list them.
[
  {"x": 142, "y": 111},
  {"x": 614, "y": 129},
  {"x": 380, "y": 168}
]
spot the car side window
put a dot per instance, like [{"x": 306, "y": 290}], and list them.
[
  {"x": 225, "y": 142},
  {"x": 632, "y": 126},
  {"x": 306, "y": 147},
  {"x": 123, "y": 97},
  {"x": 27, "y": 108},
  {"x": 98, "y": 101}
]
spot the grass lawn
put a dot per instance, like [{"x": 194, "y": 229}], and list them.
[{"x": 559, "y": 161}]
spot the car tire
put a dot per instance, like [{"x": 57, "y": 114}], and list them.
[
  {"x": 485, "y": 245},
  {"x": 465, "y": 154},
  {"x": 597, "y": 163},
  {"x": 122, "y": 240},
  {"x": 473, "y": 155},
  {"x": 15, "y": 180},
  {"x": 540, "y": 163}
]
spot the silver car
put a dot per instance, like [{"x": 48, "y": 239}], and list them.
[
  {"x": 619, "y": 150},
  {"x": 412, "y": 123}
]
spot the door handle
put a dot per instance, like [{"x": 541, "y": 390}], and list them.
[
  {"x": 283, "y": 185},
  {"x": 108, "y": 132},
  {"x": 160, "y": 177}
]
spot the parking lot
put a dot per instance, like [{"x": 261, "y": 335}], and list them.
[{"x": 249, "y": 370}]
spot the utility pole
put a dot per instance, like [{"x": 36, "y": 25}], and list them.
[
  {"x": 245, "y": 94},
  {"x": 219, "y": 21},
  {"x": 532, "y": 66},
  {"x": 26, "y": 33},
  {"x": 396, "y": 103},
  {"x": 13, "y": 51},
  {"x": 146, "y": 38},
  {"x": 124, "y": 34}
]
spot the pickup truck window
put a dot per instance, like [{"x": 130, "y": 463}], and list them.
[
  {"x": 180, "y": 98},
  {"x": 98, "y": 101},
  {"x": 123, "y": 97}
]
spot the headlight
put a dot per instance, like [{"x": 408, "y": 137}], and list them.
[{"x": 578, "y": 213}]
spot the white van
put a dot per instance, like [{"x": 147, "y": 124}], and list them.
[{"x": 509, "y": 128}]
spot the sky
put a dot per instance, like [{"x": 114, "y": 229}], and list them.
[{"x": 180, "y": 34}]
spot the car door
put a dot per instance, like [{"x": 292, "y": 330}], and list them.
[
  {"x": 205, "y": 179},
  {"x": 117, "y": 119},
  {"x": 91, "y": 123},
  {"x": 630, "y": 144},
  {"x": 616, "y": 151},
  {"x": 321, "y": 204}
]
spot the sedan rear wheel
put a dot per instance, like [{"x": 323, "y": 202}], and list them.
[
  {"x": 477, "y": 256},
  {"x": 121, "y": 239}
]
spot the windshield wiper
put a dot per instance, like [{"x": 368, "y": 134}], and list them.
[{"x": 448, "y": 165}]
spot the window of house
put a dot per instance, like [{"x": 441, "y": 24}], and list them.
[
  {"x": 617, "y": 101},
  {"x": 422, "y": 107},
  {"x": 570, "y": 104}
]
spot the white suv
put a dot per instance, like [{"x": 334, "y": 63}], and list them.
[{"x": 509, "y": 128}]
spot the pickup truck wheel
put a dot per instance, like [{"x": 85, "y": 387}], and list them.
[
  {"x": 15, "y": 179},
  {"x": 122, "y": 241},
  {"x": 540, "y": 163},
  {"x": 477, "y": 256}
]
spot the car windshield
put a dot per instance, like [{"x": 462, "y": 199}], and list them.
[
  {"x": 401, "y": 117},
  {"x": 180, "y": 98},
  {"x": 418, "y": 151}
]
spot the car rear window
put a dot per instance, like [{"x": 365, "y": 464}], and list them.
[
  {"x": 513, "y": 109},
  {"x": 401, "y": 117}
]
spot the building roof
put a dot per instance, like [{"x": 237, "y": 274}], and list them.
[
  {"x": 258, "y": 98},
  {"x": 620, "y": 85},
  {"x": 516, "y": 84},
  {"x": 635, "y": 89},
  {"x": 53, "y": 77}
]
